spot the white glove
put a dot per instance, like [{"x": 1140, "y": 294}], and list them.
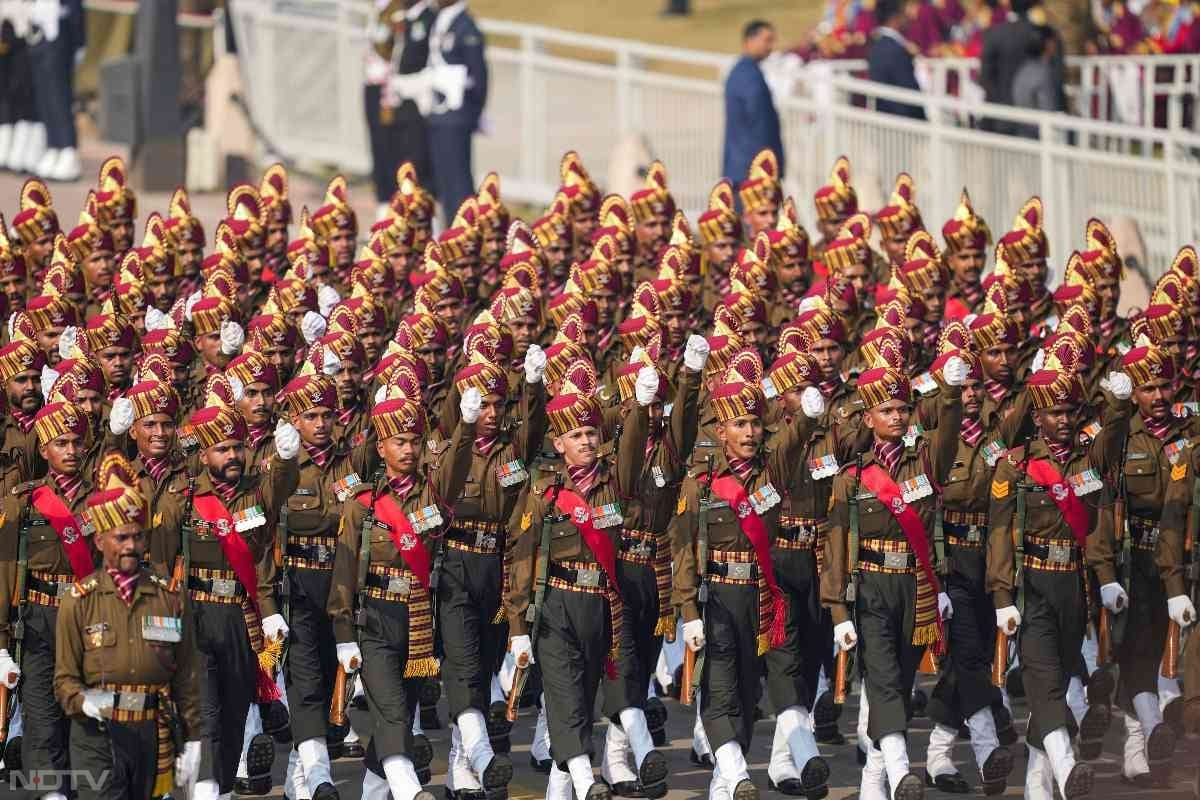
[
  {"x": 66, "y": 341},
  {"x": 120, "y": 419},
  {"x": 312, "y": 326},
  {"x": 1179, "y": 609},
  {"x": 535, "y": 364},
  {"x": 327, "y": 298},
  {"x": 945, "y": 607},
  {"x": 693, "y": 635},
  {"x": 695, "y": 353},
  {"x": 96, "y": 701},
  {"x": 635, "y": 356},
  {"x": 954, "y": 371},
  {"x": 1114, "y": 597},
  {"x": 522, "y": 649},
  {"x": 844, "y": 635},
  {"x": 1118, "y": 385},
  {"x": 187, "y": 764},
  {"x": 232, "y": 338},
  {"x": 1008, "y": 619},
  {"x": 49, "y": 376},
  {"x": 156, "y": 320},
  {"x": 330, "y": 363},
  {"x": 236, "y": 388},
  {"x": 273, "y": 627},
  {"x": 287, "y": 440},
  {"x": 647, "y": 386},
  {"x": 470, "y": 405},
  {"x": 206, "y": 790},
  {"x": 349, "y": 656},
  {"x": 10, "y": 673},
  {"x": 380, "y": 394},
  {"x": 1039, "y": 360},
  {"x": 191, "y": 301},
  {"x": 813, "y": 402}
]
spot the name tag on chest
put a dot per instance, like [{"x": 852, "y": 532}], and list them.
[
  {"x": 425, "y": 519},
  {"x": 162, "y": 629},
  {"x": 344, "y": 488},
  {"x": 512, "y": 473},
  {"x": 764, "y": 499},
  {"x": 1085, "y": 482},
  {"x": 249, "y": 518},
  {"x": 916, "y": 488},
  {"x": 823, "y": 467}
]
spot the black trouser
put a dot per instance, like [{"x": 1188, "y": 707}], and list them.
[
  {"x": 450, "y": 149},
  {"x": 965, "y": 685},
  {"x": 572, "y": 645},
  {"x": 885, "y": 609},
  {"x": 1052, "y": 627},
  {"x": 312, "y": 654},
  {"x": 383, "y": 640},
  {"x": 228, "y": 670},
  {"x": 53, "y": 66},
  {"x": 638, "y": 655},
  {"x": 120, "y": 762},
  {"x": 391, "y": 145},
  {"x": 44, "y": 742},
  {"x": 16, "y": 80},
  {"x": 793, "y": 669},
  {"x": 1139, "y": 655},
  {"x": 468, "y": 598},
  {"x": 729, "y": 686}
]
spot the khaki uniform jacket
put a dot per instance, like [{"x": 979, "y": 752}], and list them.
[
  {"x": 168, "y": 504},
  {"x": 440, "y": 481},
  {"x": 663, "y": 472},
  {"x": 313, "y": 508},
  {"x": 99, "y": 640},
  {"x": 19, "y": 457}
]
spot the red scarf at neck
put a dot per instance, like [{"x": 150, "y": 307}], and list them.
[
  {"x": 888, "y": 453},
  {"x": 584, "y": 477},
  {"x": 125, "y": 584}
]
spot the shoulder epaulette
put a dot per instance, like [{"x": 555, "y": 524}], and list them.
[
  {"x": 1016, "y": 455},
  {"x": 23, "y": 488},
  {"x": 437, "y": 446},
  {"x": 162, "y": 583},
  {"x": 84, "y": 587}
]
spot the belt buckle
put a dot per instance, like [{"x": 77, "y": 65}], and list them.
[
  {"x": 1058, "y": 553},
  {"x": 641, "y": 548},
  {"x": 739, "y": 570},
  {"x": 589, "y": 578},
  {"x": 808, "y": 534},
  {"x": 892, "y": 560},
  {"x": 485, "y": 541},
  {"x": 131, "y": 701},
  {"x": 324, "y": 553},
  {"x": 974, "y": 534},
  {"x": 224, "y": 587},
  {"x": 1150, "y": 537},
  {"x": 399, "y": 585},
  {"x": 61, "y": 587}
]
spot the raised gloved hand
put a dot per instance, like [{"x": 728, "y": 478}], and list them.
[
  {"x": 232, "y": 338},
  {"x": 156, "y": 320},
  {"x": 813, "y": 402},
  {"x": 695, "y": 353},
  {"x": 10, "y": 673},
  {"x": 327, "y": 298},
  {"x": 471, "y": 405},
  {"x": 1179, "y": 609},
  {"x": 1114, "y": 598},
  {"x": 349, "y": 656},
  {"x": 330, "y": 363},
  {"x": 274, "y": 627},
  {"x": 67, "y": 340},
  {"x": 844, "y": 635},
  {"x": 97, "y": 701},
  {"x": 522, "y": 649},
  {"x": 693, "y": 635},
  {"x": 193, "y": 298},
  {"x": 313, "y": 326},
  {"x": 1039, "y": 360},
  {"x": 120, "y": 419},
  {"x": 646, "y": 387},
  {"x": 535, "y": 364},
  {"x": 945, "y": 607},
  {"x": 1118, "y": 385},
  {"x": 187, "y": 764},
  {"x": 287, "y": 440},
  {"x": 954, "y": 371},
  {"x": 1008, "y": 619}
]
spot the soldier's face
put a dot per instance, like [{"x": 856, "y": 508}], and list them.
[
  {"x": 493, "y": 247},
  {"x": 1035, "y": 272},
  {"x": 347, "y": 379},
  {"x": 25, "y": 391},
  {"x": 761, "y": 218},
  {"x": 721, "y": 253},
  {"x": 578, "y": 447},
  {"x": 39, "y": 250},
  {"x": 225, "y": 460},
  {"x": 372, "y": 342},
  {"x": 91, "y": 403},
  {"x": 558, "y": 256},
  {"x": 162, "y": 292},
  {"x": 1019, "y": 314},
  {"x": 582, "y": 224},
  {"x": 1057, "y": 423},
  {"x": 276, "y": 237},
  {"x": 935, "y": 304},
  {"x": 434, "y": 356},
  {"x": 257, "y": 404},
  {"x": 859, "y": 277},
  {"x": 315, "y": 426},
  {"x": 97, "y": 269},
  {"x": 154, "y": 434},
  {"x": 606, "y": 303},
  {"x": 967, "y": 265},
  {"x": 999, "y": 363},
  {"x": 399, "y": 259},
  {"x": 1109, "y": 290},
  {"x": 122, "y": 548},
  {"x": 121, "y": 231},
  {"x": 794, "y": 273},
  {"x": 64, "y": 453},
  {"x": 893, "y": 246},
  {"x": 829, "y": 355},
  {"x": 116, "y": 364},
  {"x": 490, "y": 415},
  {"x": 889, "y": 421},
  {"x": 829, "y": 228},
  {"x": 190, "y": 257},
  {"x": 14, "y": 288},
  {"x": 342, "y": 245},
  {"x": 972, "y": 397},
  {"x": 47, "y": 339},
  {"x": 741, "y": 436},
  {"x": 449, "y": 311},
  {"x": 1153, "y": 399},
  {"x": 278, "y": 357},
  {"x": 401, "y": 453},
  {"x": 676, "y": 326},
  {"x": 652, "y": 235},
  {"x": 523, "y": 330}
]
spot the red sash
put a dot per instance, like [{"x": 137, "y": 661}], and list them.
[
  {"x": 1073, "y": 511},
  {"x": 69, "y": 531},
  {"x": 237, "y": 552},
  {"x": 876, "y": 479},
  {"x": 730, "y": 490},
  {"x": 408, "y": 543}
]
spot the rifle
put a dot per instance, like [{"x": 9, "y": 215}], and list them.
[
  {"x": 843, "y": 656},
  {"x": 1104, "y": 633},
  {"x": 285, "y": 584},
  {"x": 343, "y": 687},
  {"x": 693, "y": 662},
  {"x": 1000, "y": 654},
  {"x": 183, "y": 560},
  {"x": 533, "y": 614}
]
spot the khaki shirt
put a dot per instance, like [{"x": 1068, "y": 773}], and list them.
[
  {"x": 168, "y": 503},
  {"x": 100, "y": 640},
  {"x": 653, "y": 503},
  {"x": 483, "y": 497},
  {"x": 19, "y": 457}
]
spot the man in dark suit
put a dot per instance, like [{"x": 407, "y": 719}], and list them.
[
  {"x": 1005, "y": 48},
  {"x": 890, "y": 59},
  {"x": 458, "y": 99},
  {"x": 751, "y": 121}
]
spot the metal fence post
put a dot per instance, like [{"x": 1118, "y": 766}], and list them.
[{"x": 532, "y": 121}]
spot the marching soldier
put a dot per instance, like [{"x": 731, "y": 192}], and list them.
[
  {"x": 125, "y": 662},
  {"x": 260, "y": 383},
  {"x": 967, "y": 239}
]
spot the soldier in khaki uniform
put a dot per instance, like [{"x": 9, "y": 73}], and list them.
[
  {"x": 967, "y": 239},
  {"x": 125, "y": 662},
  {"x": 567, "y": 545},
  {"x": 883, "y": 506},
  {"x": 217, "y": 338},
  {"x": 42, "y": 523},
  {"x": 1057, "y": 483},
  {"x": 720, "y": 235},
  {"x": 736, "y": 503},
  {"x": 20, "y": 370},
  {"x": 380, "y": 598},
  {"x": 260, "y": 384}
]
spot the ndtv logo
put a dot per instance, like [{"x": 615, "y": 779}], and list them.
[{"x": 50, "y": 780}]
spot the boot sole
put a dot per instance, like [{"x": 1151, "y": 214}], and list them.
[
  {"x": 996, "y": 770},
  {"x": 1079, "y": 782},
  {"x": 260, "y": 756},
  {"x": 498, "y": 773},
  {"x": 825, "y": 711},
  {"x": 422, "y": 751},
  {"x": 911, "y": 787},
  {"x": 654, "y": 768},
  {"x": 745, "y": 790},
  {"x": 1091, "y": 731},
  {"x": 656, "y": 713},
  {"x": 1160, "y": 746},
  {"x": 815, "y": 778},
  {"x": 1100, "y": 688}
]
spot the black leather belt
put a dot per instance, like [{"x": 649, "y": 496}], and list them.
[
  {"x": 51, "y": 588},
  {"x": 967, "y": 535},
  {"x": 481, "y": 540},
  {"x": 738, "y": 570},
  {"x": 639, "y": 547},
  {"x": 221, "y": 587},
  {"x": 798, "y": 533},
  {"x": 397, "y": 585},
  {"x": 591, "y": 578},
  {"x": 1063, "y": 553},
  {"x": 320, "y": 553},
  {"x": 888, "y": 559}
]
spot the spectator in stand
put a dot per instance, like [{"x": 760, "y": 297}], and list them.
[
  {"x": 1120, "y": 30},
  {"x": 1034, "y": 84},
  {"x": 890, "y": 59},
  {"x": 1005, "y": 47},
  {"x": 751, "y": 121}
]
